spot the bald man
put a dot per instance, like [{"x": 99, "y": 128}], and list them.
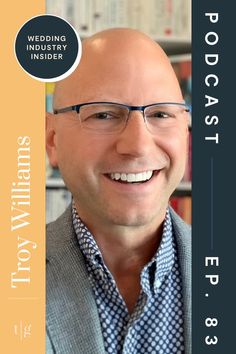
[{"x": 118, "y": 259}]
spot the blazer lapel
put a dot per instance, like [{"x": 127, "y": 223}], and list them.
[
  {"x": 72, "y": 320},
  {"x": 182, "y": 233}
]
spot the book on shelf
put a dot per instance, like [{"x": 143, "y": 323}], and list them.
[
  {"x": 188, "y": 169},
  {"x": 49, "y": 96},
  {"x": 183, "y": 207},
  {"x": 182, "y": 65}
]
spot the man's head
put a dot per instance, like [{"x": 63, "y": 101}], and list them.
[{"x": 127, "y": 67}]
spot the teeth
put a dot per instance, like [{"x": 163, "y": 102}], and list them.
[
  {"x": 139, "y": 177},
  {"x": 116, "y": 176},
  {"x": 123, "y": 177},
  {"x": 132, "y": 177}
]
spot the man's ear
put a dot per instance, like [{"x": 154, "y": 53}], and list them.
[{"x": 51, "y": 139}]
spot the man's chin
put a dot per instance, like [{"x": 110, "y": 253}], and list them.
[{"x": 134, "y": 220}]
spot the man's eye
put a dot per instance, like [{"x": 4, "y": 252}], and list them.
[
  {"x": 102, "y": 115},
  {"x": 161, "y": 114}
]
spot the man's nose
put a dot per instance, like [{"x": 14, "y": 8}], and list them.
[{"x": 135, "y": 139}]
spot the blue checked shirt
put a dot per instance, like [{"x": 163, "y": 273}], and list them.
[{"x": 156, "y": 324}]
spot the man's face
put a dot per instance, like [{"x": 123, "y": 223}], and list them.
[{"x": 89, "y": 161}]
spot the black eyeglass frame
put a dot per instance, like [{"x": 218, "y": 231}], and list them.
[{"x": 77, "y": 107}]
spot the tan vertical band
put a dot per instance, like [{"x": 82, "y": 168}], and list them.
[{"x": 22, "y": 213}]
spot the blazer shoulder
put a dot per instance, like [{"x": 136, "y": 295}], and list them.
[
  {"x": 59, "y": 232},
  {"x": 180, "y": 226}
]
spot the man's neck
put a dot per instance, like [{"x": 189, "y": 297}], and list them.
[
  {"x": 125, "y": 260},
  {"x": 125, "y": 248},
  {"x": 128, "y": 253},
  {"x": 125, "y": 251}
]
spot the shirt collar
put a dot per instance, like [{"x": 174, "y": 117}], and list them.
[
  {"x": 152, "y": 274},
  {"x": 163, "y": 260},
  {"x": 87, "y": 243}
]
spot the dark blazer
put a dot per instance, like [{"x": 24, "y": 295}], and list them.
[{"x": 73, "y": 325}]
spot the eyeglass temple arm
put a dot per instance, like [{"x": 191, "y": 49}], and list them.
[{"x": 66, "y": 109}]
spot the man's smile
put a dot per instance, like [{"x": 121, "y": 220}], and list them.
[{"x": 127, "y": 177}]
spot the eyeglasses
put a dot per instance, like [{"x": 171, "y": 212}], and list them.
[{"x": 110, "y": 117}]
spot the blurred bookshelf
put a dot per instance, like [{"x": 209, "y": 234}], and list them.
[{"x": 166, "y": 21}]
